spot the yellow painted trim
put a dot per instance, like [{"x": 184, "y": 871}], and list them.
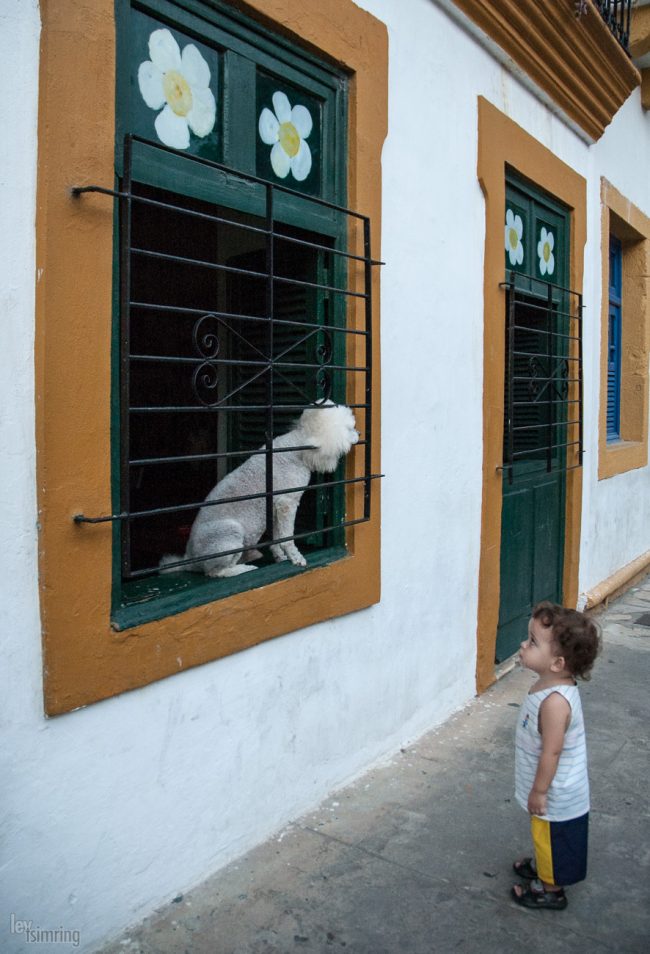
[
  {"x": 632, "y": 228},
  {"x": 640, "y": 32},
  {"x": 618, "y": 582},
  {"x": 84, "y": 659},
  {"x": 645, "y": 88},
  {"x": 502, "y": 143},
  {"x": 575, "y": 61}
]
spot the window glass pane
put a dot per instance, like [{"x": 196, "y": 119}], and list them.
[
  {"x": 289, "y": 135},
  {"x": 614, "y": 340},
  {"x": 546, "y": 251},
  {"x": 539, "y": 383},
  {"x": 516, "y": 237},
  {"x": 173, "y": 88}
]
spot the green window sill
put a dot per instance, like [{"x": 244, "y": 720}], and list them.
[{"x": 158, "y": 597}]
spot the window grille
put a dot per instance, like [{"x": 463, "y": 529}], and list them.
[
  {"x": 543, "y": 381},
  {"x": 250, "y": 365},
  {"x": 617, "y": 15}
]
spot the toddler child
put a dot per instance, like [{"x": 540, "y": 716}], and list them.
[{"x": 551, "y": 756}]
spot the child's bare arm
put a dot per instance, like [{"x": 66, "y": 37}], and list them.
[{"x": 554, "y": 715}]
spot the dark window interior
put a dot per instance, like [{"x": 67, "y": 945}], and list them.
[
  {"x": 537, "y": 378},
  {"x": 184, "y": 356}
]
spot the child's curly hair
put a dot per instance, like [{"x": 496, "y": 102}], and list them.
[{"x": 576, "y": 636}]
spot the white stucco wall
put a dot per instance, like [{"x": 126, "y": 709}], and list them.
[
  {"x": 20, "y": 651},
  {"x": 114, "y": 809},
  {"x": 616, "y": 511}
]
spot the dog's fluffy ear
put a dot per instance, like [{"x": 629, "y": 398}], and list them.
[{"x": 331, "y": 431}]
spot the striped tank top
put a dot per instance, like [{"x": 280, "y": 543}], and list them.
[{"x": 568, "y": 795}]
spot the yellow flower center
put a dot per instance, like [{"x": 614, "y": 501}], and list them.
[
  {"x": 177, "y": 92},
  {"x": 546, "y": 251},
  {"x": 289, "y": 139},
  {"x": 513, "y": 238}
]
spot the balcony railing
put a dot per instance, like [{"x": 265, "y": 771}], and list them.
[{"x": 616, "y": 14}]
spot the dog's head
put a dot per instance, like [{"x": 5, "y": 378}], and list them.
[{"x": 331, "y": 430}]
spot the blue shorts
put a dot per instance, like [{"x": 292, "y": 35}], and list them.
[{"x": 561, "y": 849}]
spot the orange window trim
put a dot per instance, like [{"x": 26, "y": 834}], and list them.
[
  {"x": 502, "y": 143},
  {"x": 84, "y": 659},
  {"x": 620, "y": 217}
]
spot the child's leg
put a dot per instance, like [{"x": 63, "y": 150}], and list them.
[
  {"x": 543, "y": 844},
  {"x": 525, "y": 868},
  {"x": 560, "y": 851},
  {"x": 560, "y": 859}
]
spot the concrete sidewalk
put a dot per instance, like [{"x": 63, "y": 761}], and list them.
[{"x": 416, "y": 856}]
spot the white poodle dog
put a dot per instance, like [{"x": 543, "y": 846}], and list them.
[{"x": 329, "y": 432}]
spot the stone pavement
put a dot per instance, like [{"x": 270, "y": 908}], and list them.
[{"x": 415, "y": 856}]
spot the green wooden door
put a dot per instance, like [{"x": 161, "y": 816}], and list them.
[{"x": 536, "y": 407}]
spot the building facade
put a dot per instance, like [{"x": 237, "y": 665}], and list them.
[{"x": 218, "y": 214}]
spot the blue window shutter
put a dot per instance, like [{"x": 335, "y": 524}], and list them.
[{"x": 614, "y": 340}]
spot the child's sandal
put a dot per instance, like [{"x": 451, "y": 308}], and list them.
[
  {"x": 534, "y": 896},
  {"x": 525, "y": 869}
]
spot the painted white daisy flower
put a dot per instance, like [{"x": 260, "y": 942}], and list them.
[
  {"x": 181, "y": 83},
  {"x": 286, "y": 130},
  {"x": 545, "y": 252},
  {"x": 514, "y": 231}
]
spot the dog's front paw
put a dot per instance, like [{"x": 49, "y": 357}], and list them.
[{"x": 288, "y": 551}]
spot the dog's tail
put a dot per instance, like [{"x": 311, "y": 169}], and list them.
[{"x": 171, "y": 558}]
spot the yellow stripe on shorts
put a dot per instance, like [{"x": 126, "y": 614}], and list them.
[{"x": 541, "y": 830}]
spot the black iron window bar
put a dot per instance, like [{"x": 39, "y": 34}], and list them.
[
  {"x": 548, "y": 377},
  {"x": 207, "y": 360},
  {"x": 617, "y": 14}
]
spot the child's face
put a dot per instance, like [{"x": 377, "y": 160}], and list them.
[{"x": 539, "y": 651}]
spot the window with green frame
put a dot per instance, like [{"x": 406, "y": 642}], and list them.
[
  {"x": 542, "y": 395},
  {"x": 230, "y": 155}
]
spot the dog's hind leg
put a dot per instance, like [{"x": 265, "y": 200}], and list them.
[
  {"x": 284, "y": 519},
  {"x": 218, "y": 539}
]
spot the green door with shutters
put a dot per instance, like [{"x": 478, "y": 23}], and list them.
[{"x": 537, "y": 404}]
